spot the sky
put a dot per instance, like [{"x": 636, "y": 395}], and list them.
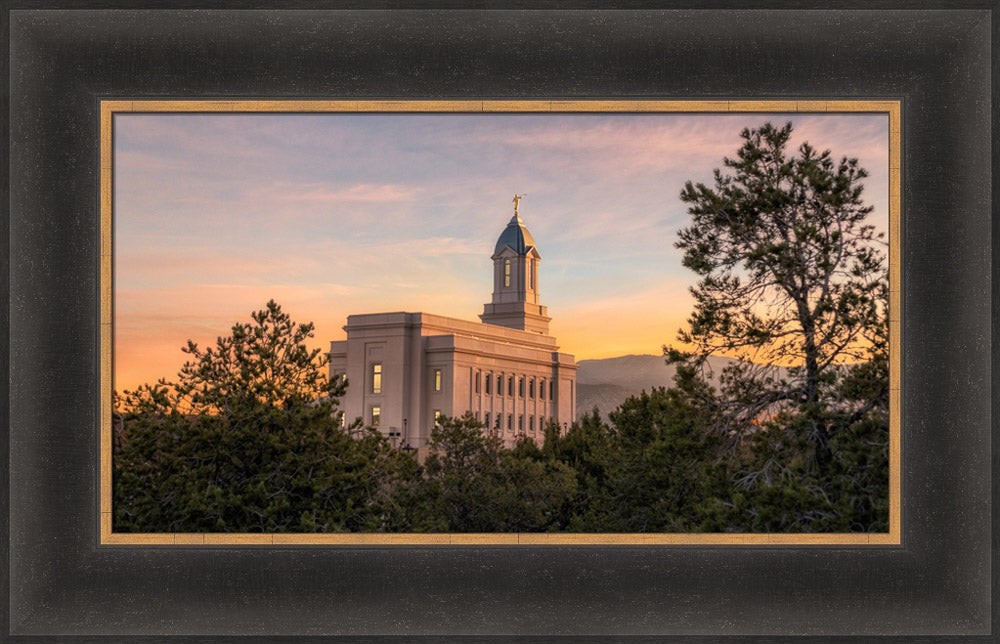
[{"x": 335, "y": 214}]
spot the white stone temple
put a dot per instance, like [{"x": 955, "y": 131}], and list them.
[{"x": 405, "y": 370}]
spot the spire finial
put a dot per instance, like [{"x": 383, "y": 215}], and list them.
[{"x": 516, "y": 200}]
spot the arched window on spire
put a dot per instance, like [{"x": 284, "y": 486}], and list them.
[{"x": 506, "y": 272}]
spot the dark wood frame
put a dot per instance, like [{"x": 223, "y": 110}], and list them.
[{"x": 61, "y": 582}]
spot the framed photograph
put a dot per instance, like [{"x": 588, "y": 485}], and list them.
[
  {"x": 449, "y": 410},
  {"x": 106, "y": 108}
]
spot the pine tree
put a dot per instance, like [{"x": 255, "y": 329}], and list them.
[
  {"x": 249, "y": 439},
  {"x": 793, "y": 286}
]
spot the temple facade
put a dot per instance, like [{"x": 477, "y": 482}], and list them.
[{"x": 406, "y": 370}]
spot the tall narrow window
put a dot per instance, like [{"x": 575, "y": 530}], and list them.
[
  {"x": 541, "y": 389},
  {"x": 437, "y": 380},
  {"x": 376, "y": 416},
  {"x": 510, "y": 386},
  {"x": 552, "y": 393},
  {"x": 531, "y": 424},
  {"x": 531, "y": 269},
  {"x": 479, "y": 378},
  {"x": 437, "y": 417},
  {"x": 489, "y": 384},
  {"x": 377, "y": 378},
  {"x": 506, "y": 272},
  {"x": 520, "y": 387},
  {"x": 487, "y": 420},
  {"x": 531, "y": 388},
  {"x": 520, "y": 423},
  {"x": 510, "y": 421}
]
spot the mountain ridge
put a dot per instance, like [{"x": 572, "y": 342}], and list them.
[{"x": 605, "y": 383}]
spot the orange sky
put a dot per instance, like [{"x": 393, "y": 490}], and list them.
[{"x": 334, "y": 214}]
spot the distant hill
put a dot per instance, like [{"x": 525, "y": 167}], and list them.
[{"x": 609, "y": 382}]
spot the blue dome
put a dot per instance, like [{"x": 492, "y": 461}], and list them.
[{"x": 516, "y": 236}]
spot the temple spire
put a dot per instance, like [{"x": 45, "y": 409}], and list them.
[{"x": 515, "y": 301}]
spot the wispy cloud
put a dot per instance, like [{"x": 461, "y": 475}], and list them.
[
  {"x": 286, "y": 191},
  {"x": 333, "y": 214}
]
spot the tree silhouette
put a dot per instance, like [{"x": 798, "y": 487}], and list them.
[
  {"x": 249, "y": 439},
  {"x": 793, "y": 279},
  {"x": 793, "y": 285}
]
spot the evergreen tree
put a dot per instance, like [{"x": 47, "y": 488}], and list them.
[
  {"x": 654, "y": 468},
  {"x": 477, "y": 486},
  {"x": 249, "y": 440},
  {"x": 793, "y": 285}
]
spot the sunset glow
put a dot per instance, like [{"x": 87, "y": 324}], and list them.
[{"x": 336, "y": 214}]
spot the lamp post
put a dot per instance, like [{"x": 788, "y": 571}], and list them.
[{"x": 406, "y": 443}]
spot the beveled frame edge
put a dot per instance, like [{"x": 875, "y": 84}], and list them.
[{"x": 108, "y": 537}]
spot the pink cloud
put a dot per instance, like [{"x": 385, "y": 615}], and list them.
[
  {"x": 318, "y": 193},
  {"x": 667, "y": 142},
  {"x": 272, "y": 231}
]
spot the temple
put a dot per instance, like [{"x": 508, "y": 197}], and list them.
[{"x": 406, "y": 370}]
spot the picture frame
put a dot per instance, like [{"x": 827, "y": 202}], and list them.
[
  {"x": 64, "y": 582},
  {"x": 111, "y": 217}
]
